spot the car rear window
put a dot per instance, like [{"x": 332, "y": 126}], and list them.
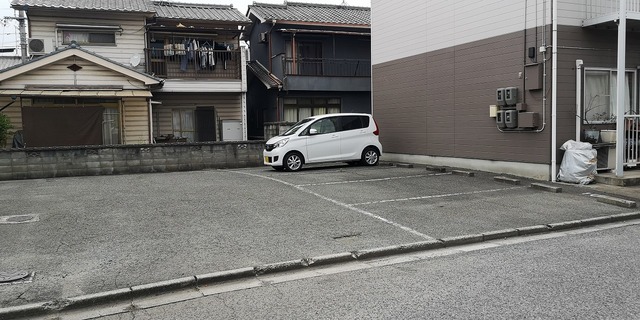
[{"x": 354, "y": 122}]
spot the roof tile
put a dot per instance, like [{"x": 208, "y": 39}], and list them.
[
  {"x": 310, "y": 12},
  {"x": 97, "y": 5},
  {"x": 195, "y": 11}
]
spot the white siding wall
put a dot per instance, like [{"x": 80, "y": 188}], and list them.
[
  {"x": 404, "y": 28},
  {"x": 571, "y": 12},
  {"x": 130, "y": 42}
]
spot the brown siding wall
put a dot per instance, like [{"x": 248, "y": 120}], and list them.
[
  {"x": 437, "y": 103},
  {"x": 598, "y": 49}
]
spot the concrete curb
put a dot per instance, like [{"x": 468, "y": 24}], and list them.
[
  {"x": 463, "y": 173},
  {"x": 507, "y": 180},
  {"x": 545, "y": 187},
  {"x": 436, "y": 169},
  {"x": 52, "y": 307},
  {"x": 616, "y": 201}
]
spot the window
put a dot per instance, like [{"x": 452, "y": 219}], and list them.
[
  {"x": 600, "y": 95},
  {"x": 110, "y": 126},
  {"x": 326, "y": 125},
  {"x": 184, "y": 124},
  {"x": 89, "y": 37},
  {"x": 296, "y": 109},
  {"x": 354, "y": 122},
  {"x": 306, "y": 59}
]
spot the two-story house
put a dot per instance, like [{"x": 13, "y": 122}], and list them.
[
  {"x": 502, "y": 85},
  {"x": 127, "y": 72},
  {"x": 306, "y": 59}
]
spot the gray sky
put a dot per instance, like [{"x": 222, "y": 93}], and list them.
[{"x": 9, "y": 28}]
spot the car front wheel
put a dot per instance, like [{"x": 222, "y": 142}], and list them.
[
  {"x": 293, "y": 161},
  {"x": 370, "y": 157}
]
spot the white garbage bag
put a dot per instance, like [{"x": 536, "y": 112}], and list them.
[{"x": 579, "y": 164}]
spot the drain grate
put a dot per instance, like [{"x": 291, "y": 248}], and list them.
[
  {"x": 23, "y": 218},
  {"x": 6, "y": 277}
]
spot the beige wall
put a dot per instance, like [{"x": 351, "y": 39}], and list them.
[
  {"x": 57, "y": 74},
  {"x": 129, "y": 42},
  {"x": 135, "y": 121}
]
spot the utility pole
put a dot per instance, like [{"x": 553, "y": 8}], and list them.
[{"x": 23, "y": 33}]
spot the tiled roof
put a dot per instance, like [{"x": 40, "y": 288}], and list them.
[
  {"x": 194, "y": 11},
  {"x": 97, "y": 5},
  {"x": 9, "y": 61},
  {"x": 266, "y": 77},
  {"x": 309, "y": 12}
]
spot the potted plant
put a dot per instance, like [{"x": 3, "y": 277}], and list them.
[{"x": 595, "y": 114}]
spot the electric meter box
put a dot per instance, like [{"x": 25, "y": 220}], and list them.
[
  {"x": 500, "y": 97},
  {"x": 511, "y": 118},
  {"x": 511, "y": 96},
  {"x": 500, "y": 119}
]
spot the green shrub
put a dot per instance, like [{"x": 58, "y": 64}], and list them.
[{"x": 5, "y": 126}]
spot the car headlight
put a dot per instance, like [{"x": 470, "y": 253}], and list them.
[{"x": 281, "y": 143}]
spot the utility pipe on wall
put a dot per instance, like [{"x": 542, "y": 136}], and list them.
[{"x": 554, "y": 88}]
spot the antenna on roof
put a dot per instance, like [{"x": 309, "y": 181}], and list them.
[{"x": 344, "y": 3}]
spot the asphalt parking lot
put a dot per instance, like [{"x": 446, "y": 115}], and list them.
[{"x": 93, "y": 234}]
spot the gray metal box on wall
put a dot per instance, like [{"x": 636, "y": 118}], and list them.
[
  {"x": 528, "y": 120},
  {"x": 231, "y": 130},
  {"x": 511, "y": 118},
  {"x": 533, "y": 76}
]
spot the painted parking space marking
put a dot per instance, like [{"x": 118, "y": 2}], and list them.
[
  {"x": 435, "y": 196},
  {"x": 372, "y": 180},
  {"x": 344, "y": 205}
]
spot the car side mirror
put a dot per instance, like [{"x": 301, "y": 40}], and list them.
[{"x": 313, "y": 131}]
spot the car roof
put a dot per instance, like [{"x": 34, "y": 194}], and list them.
[{"x": 338, "y": 115}]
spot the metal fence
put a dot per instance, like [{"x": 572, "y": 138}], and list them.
[
  {"x": 198, "y": 64},
  {"x": 631, "y": 140},
  {"x": 598, "y": 8},
  {"x": 328, "y": 67}
]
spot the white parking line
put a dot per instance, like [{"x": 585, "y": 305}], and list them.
[
  {"x": 366, "y": 213},
  {"x": 434, "y": 196},
  {"x": 372, "y": 180}
]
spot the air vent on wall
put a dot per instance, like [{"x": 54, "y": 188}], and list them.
[
  {"x": 264, "y": 37},
  {"x": 39, "y": 46}
]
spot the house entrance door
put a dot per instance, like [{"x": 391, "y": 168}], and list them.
[{"x": 206, "y": 123}]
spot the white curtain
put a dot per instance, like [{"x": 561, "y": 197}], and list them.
[
  {"x": 596, "y": 95},
  {"x": 110, "y": 126},
  {"x": 628, "y": 84},
  {"x": 291, "y": 114}
]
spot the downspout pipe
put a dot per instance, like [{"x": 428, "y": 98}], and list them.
[
  {"x": 622, "y": 49},
  {"x": 554, "y": 89}
]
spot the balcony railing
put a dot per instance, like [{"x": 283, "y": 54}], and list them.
[
  {"x": 601, "y": 8},
  {"x": 201, "y": 64},
  {"x": 328, "y": 67}
]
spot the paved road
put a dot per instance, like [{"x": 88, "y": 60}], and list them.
[
  {"x": 93, "y": 234},
  {"x": 588, "y": 274}
]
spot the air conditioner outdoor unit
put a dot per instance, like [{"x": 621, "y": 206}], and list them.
[{"x": 39, "y": 46}]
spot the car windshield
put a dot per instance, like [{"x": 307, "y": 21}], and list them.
[{"x": 296, "y": 127}]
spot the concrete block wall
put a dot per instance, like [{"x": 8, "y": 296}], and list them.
[{"x": 38, "y": 163}]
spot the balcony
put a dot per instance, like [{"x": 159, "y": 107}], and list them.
[
  {"x": 318, "y": 67},
  {"x": 607, "y": 11},
  {"x": 201, "y": 64}
]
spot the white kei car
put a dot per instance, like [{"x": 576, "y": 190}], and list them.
[{"x": 347, "y": 137}]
